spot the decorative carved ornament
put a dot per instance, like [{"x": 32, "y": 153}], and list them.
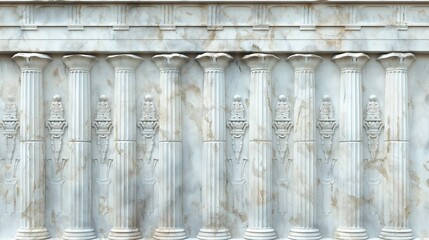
[
  {"x": 10, "y": 125},
  {"x": 237, "y": 125},
  {"x": 56, "y": 125},
  {"x": 103, "y": 127},
  {"x": 149, "y": 126},
  {"x": 327, "y": 125},
  {"x": 373, "y": 125},
  {"x": 282, "y": 125}
]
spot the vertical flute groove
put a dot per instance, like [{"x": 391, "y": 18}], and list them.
[
  {"x": 350, "y": 146},
  {"x": 214, "y": 146},
  {"x": 396, "y": 143},
  {"x": 170, "y": 148},
  {"x": 80, "y": 146},
  {"x": 260, "y": 147},
  {"x": 304, "y": 153},
  {"x": 125, "y": 224},
  {"x": 32, "y": 146}
]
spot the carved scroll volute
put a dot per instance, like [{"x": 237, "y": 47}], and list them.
[
  {"x": 326, "y": 125},
  {"x": 148, "y": 125},
  {"x": 282, "y": 125},
  {"x": 10, "y": 125},
  {"x": 373, "y": 125},
  {"x": 56, "y": 125}
]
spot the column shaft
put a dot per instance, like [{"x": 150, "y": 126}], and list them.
[
  {"x": 170, "y": 148},
  {"x": 260, "y": 147},
  {"x": 171, "y": 151},
  {"x": 124, "y": 166},
  {"x": 32, "y": 186},
  {"x": 350, "y": 146},
  {"x": 396, "y": 144},
  {"x": 80, "y": 147},
  {"x": 304, "y": 148},
  {"x": 214, "y": 146}
]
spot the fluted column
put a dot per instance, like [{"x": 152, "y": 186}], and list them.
[
  {"x": 125, "y": 133},
  {"x": 214, "y": 137},
  {"x": 350, "y": 147},
  {"x": 80, "y": 146},
  {"x": 32, "y": 180},
  {"x": 260, "y": 147},
  {"x": 170, "y": 148},
  {"x": 396, "y": 145},
  {"x": 304, "y": 145}
]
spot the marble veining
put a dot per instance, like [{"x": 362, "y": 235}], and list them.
[{"x": 214, "y": 120}]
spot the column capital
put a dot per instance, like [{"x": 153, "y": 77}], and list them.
[
  {"x": 170, "y": 61},
  {"x": 346, "y": 61},
  {"x": 31, "y": 61},
  {"x": 396, "y": 60},
  {"x": 260, "y": 61},
  {"x": 124, "y": 61},
  {"x": 304, "y": 61},
  {"x": 78, "y": 61},
  {"x": 214, "y": 60}
]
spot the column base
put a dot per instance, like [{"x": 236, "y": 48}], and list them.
[
  {"x": 351, "y": 234},
  {"x": 213, "y": 234},
  {"x": 396, "y": 233},
  {"x": 124, "y": 234},
  {"x": 304, "y": 234},
  {"x": 32, "y": 233},
  {"x": 79, "y": 233},
  {"x": 260, "y": 233},
  {"x": 170, "y": 234}
]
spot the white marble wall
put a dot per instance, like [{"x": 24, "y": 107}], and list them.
[
  {"x": 205, "y": 25},
  {"x": 58, "y": 197},
  {"x": 199, "y": 114}
]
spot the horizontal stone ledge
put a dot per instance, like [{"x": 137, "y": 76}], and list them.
[{"x": 199, "y": 46}]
